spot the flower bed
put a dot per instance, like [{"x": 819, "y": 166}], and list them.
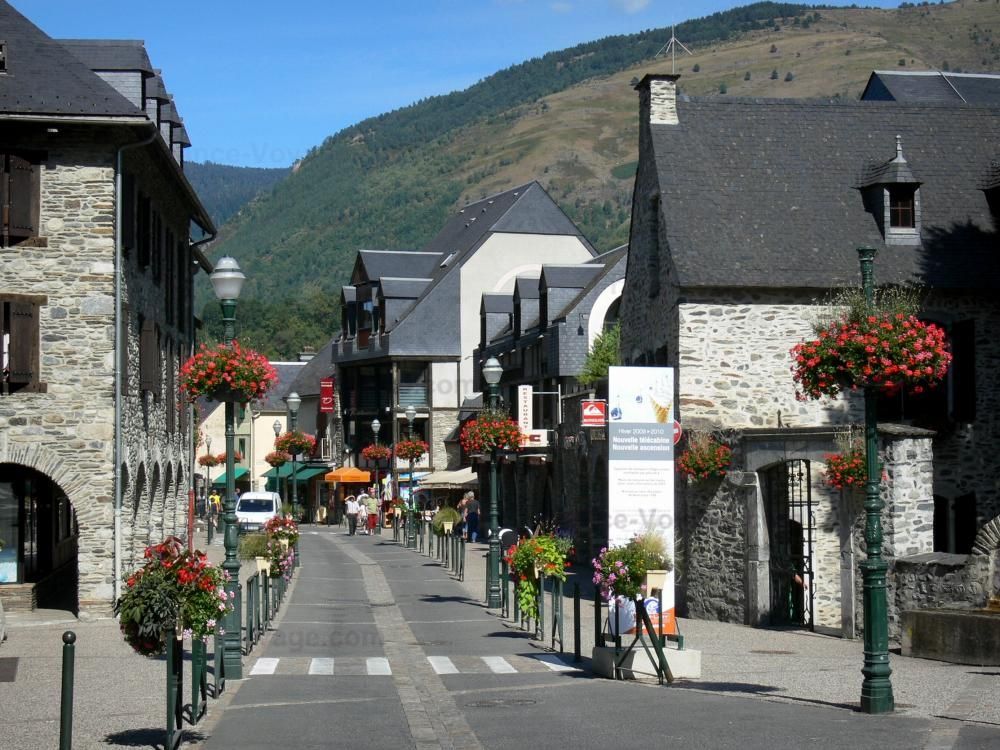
[
  {"x": 621, "y": 571},
  {"x": 490, "y": 430},
  {"x": 411, "y": 450},
  {"x": 175, "y": 588},
  {"x": 847, "y": 469},
  {"x": 295, "y": 442},
  {"x": 227, "y": 373},
  {"x": 531, "y": 558},
  {"x": 704, "y": 457}
]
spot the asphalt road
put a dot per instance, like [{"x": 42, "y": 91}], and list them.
[{"x": 379, "y": 647}]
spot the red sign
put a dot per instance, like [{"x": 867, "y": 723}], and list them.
[
  {"x": 326, "y": 399},
  {"x": 594, "y": 413},
  {"x": 677, "y": 432}
]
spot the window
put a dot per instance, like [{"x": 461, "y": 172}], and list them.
[
  {"x": 171, "y": 391},
  {"x": 20, "y": 336},
  {"x": 902, "y": 207},
  {"x": 19, "y": 198},
  {"x": 149, "y": 358},
  {"x": 955, "y": 524},
  {"x": 144, "y": 230},
  {"x": 128, "y": 201}
]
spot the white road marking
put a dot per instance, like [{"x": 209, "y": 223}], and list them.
[
  {"x": 265, "y": 665},
  {"x": 554, "y": 663},
  {"x": 499, "y": 665},
  {"x": 378, "y": 665},
  {"x": 321, "y": 666},
  {"x": 442, "y": 665}
]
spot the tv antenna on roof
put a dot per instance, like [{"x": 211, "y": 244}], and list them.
[{"x": 671, "y": 46}]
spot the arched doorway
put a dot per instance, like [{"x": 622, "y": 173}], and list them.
[
  {"x": 38, "y": 526},
  {"x": 788, "y": 511}
]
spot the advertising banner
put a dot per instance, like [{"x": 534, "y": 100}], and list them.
[
  {"x": 641, "y": 460},
  {"x": 326, "y": 402}
]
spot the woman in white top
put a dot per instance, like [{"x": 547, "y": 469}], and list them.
[{"x": 352, "y": 515}]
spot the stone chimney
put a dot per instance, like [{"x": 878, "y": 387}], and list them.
[
  {"x": 658, "y": 99},
  {"x": 307, "y": 353}
]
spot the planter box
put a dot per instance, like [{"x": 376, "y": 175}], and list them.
[
  {"x": 953, "y": 635},
  {"x": 656, "y": 580},
  {"x": 684, "y": 664}
]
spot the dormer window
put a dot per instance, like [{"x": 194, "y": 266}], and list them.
[
  {"x": 902, "y": 207},
  {"x": 892, "y": 196},
  {"x": 3, "y": 57}
]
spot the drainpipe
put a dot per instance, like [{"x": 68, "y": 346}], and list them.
[
  {"x": 118, "y": 354},
  {"x": 192, "y": 414}
]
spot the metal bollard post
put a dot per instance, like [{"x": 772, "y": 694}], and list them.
[
  {"x": 66, "y": 704},
  {"x": 598, "y": 641},
  {"x": 505, "y": 591},
  {"x": 576, "y": 622},
  {"x": 540, "y": 622},
  {"x": 175, "y": 688},
  {"x": 199, "y": 691}
]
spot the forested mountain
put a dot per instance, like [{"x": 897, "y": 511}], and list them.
[
  {"x": 568, "y": 120},
  {"x": 225, "y": 190}
]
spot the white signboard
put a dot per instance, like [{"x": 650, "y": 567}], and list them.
[
  {"x": 525, "y": 414},
  {"x": 641, "y": 458}
]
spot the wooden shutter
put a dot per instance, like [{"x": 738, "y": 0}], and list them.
[
  {"x": 23, "y": 362},
  {"x": 22, "y": 205},
  {"x": 147, "y": 356},
  {"x": 963, "y": 371}
]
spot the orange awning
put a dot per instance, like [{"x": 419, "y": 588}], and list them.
[{"x": 348, "y": 474}]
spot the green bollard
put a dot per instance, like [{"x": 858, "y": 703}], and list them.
[
  {"x": 199, "y": 693},
  {"x": 598, "y": 640},
  {"x": 576, "y": 622},
  {"x": 175, "y": 688},
  {"x": 66, "y": 704}
]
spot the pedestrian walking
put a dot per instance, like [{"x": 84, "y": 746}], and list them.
[
  {"x": 371, "y": 510},
  {"x": 214, "y": 508},
  {"x": 352, "y": 515},
  {"x": 471, "y": 516}
]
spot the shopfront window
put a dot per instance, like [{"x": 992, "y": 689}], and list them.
[{"x": 10, "y": 539}]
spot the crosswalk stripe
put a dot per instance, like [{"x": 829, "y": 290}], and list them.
[
  {"x": 321, "y": 666},
  {"x": 442, "y": 665},
  {"x": 378, "y": 665},
  {"x": 554, "y": 663},
  {"x": 264, "y": 665},
  {"x": 499, "y": 665}
]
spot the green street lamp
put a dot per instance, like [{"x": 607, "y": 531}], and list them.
[
  {"x": 208, "y": 490},
  {"x": 227, "y": 281},
  {"x": 411, "y": 527},
  {"x": 376, "y": 427},
  {"x": 292, "y": 401},
  {"x": 277, "y": 433},
  {"x": 492, "y": 372},
  {"x": 876, "y": 689}
]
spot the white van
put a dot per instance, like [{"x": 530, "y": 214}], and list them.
[{"x": 254, "y": 509}]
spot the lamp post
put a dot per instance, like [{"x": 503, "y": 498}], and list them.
[
  {"x": 208, "y": 490},
  {"x": 293, "y": 402},
  {"x": 411, "y": 527},
  {"x": 277, "y": 431},
  {"x": 376, "y": 427},
  {"x": 227, "y": 281},
  {"x": 876, "y": 688},
  {"x": 492, "y": 372}
]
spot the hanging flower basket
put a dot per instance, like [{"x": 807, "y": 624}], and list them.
[
  {"x": 227, "y": 373},
  {"x": 411, "y": 450},
  {"x": 490, "y": 430},
  {"x": 376, "y": 452},
  {"x": 891, "y": 351},
  {"x": 277, "y": 458},
  {"x": 174, "y": 589},
  {"x": 295, "y": 442},
  {"x": 704, "y": 458},
  {"x": 237, "y": 457},
  {"x": 531, "y": 558},
  {"x": 208, "y": 460},
  {"x": 846, "y": 470}
]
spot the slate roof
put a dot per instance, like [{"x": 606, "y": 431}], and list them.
[
  {"x": 155, "y": 89},
  {"x": 371, "y": 265},
  {"x": 497, "y": 303},
  {"x": 110, "y": 54},
  {"x": 287, "y": 373},
  {"x": 526, "y": 287},
  {"x": 569, "y": 277},
  {"x": 933, "y": 86},
  {"x": 306, "y": 382},
  {"x": 763, "y": 193},
  {"x": 431, "y": 326},
  {"x": 45, "y": 78},
  {"x": 394, "y": 288}
]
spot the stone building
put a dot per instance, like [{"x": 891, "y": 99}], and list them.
[
  {"x": 411, "y": 319},
  {"x": 745, "y": 212},
  {"x": 96, "y": 292}
]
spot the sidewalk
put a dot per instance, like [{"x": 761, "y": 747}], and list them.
[
  {"x": 787, "y": 665},
  {"x": 119, "y": 696}
]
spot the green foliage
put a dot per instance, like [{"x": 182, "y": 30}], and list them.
[
  {"x": 253, "y": 545},
  {"x": 722, "y": 88},
  {"x": 774, "y": 74},
  {"x": 224, "y": 189},
  {"x": 447, "y": 513},
  {"x": 542, "y": 554},
  {"x": 603, "y": 354},
  {"x": 789, "y": 76},
  {"x": 625, "y": 171}
]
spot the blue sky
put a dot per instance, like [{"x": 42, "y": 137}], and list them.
[{"x": 259, "y": 83}]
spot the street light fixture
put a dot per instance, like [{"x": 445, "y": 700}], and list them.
[
  {"x": 293, "y": 402},
  {"x": 876, "y": 688},
  {"x": 227, "y": 281},
  {"x": 411, "y": 528},
  {"x": 492, "y": 372},
  {"x": 376, "y": 426}
]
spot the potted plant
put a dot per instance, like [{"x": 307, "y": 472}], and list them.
[
  {"x": 208, "y": 460},
  {"x": 277, "y": 458},
  {"x": 879, "y": 344},
  {"x": 444, "y": 520},
  {"x": 227, "y": 373},
  {"x": 174, "y": 589},
  {"x": 411, "y": 450},
  {"x": 620, "y": 573},
  {"x": 491, "y": 430},
  {"x": 282, "y": 535},
  {"x": 253, "y": 546},
  {"x": 704, "y": 457},
  {"x": 530, "y": 559},
  {"x": 294, "y": 442}
]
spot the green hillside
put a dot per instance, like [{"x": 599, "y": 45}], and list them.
[
  {"x": 567, "y": 119},
  {"x": 224, "y": 190}
]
